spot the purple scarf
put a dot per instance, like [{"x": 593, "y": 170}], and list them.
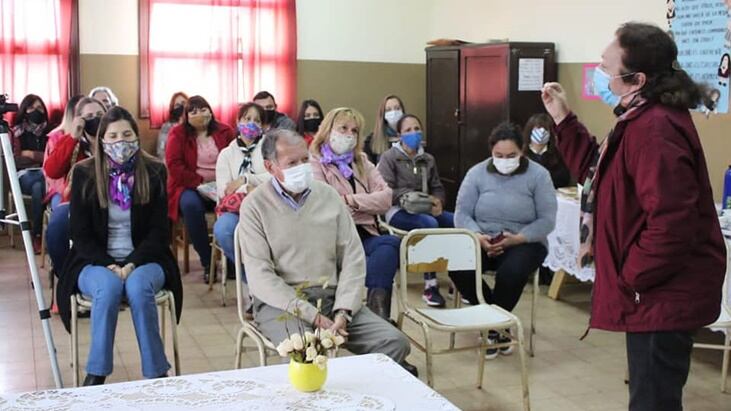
[
  {"x": 343, "y": 161},
  {"x": 121, "y": 182}
]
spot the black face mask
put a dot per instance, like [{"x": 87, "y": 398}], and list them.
[
  {"x": 312, "y": 124},
  {"x": 176, "y": 113},
  {"x": 36, "y": 117},
  {"x": 91, "y": 126},
  {"x": 269, "y": 116}
]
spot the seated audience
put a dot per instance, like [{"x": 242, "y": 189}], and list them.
[
  {"x": 29, "y": 138},
  {"x": 191, "y": 155},
  {"x": 272, "y": 118},
  {"x": 239, "y": 170},
  {"x": 72, "y": 147},
  {"x": 121, "y": 245},
  {"x": 405, "y": 166},
  {"x": 510, "y": 203},
  {"x": 384, "y": 134},
  {"x": 295, "y": 231},
  {"x": 105, "y": 96},
  {"x": 309, "y": 119},
  {"x": 338, "y": 160},
  {"x": 175, "y": 116},
  {"x": 538, "y": 131}
]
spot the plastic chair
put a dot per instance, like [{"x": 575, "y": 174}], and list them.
[
  {"x": 80, "y": 303},
  {"x": 723, "y": 322},
  {"x": 446, "y": 249},
  {"x": 248, "y": 328}
]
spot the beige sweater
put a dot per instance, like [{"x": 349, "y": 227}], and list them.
[{"x": 283, "y": 248}]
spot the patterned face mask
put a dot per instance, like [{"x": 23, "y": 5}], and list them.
[{"x": 121, "y": 151}]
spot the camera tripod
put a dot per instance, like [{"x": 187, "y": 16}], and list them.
[{"x": 20, "y": 219}]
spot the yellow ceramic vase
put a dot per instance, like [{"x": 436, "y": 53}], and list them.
[{"x": 306, "y": 377}]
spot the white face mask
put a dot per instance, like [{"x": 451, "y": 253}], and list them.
[
  {"x": 342, "y": 143},
  {"x": 297, "y": 179},
  {"x": 392, "y": 117},
  {"x": 506, "y": 165}
]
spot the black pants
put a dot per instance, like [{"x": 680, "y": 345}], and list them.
[
  {"x": 513, "y": 268},
  {"x": 658, "y": 369}
]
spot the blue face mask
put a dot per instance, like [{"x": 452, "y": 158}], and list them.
[
  {"x": 601, "y": 85},
  {"x": 412, "y": 140}
]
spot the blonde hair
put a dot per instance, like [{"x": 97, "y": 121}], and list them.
[
  {"x": 323, "y": 135},
  {"x": 69, "y": 113},
  {"x": 379, "y": 141}
]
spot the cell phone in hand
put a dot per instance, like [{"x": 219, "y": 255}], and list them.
[{"x": 498, "y": 238}]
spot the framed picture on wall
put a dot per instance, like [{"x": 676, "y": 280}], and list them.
[{"x": 588, "y": 91}]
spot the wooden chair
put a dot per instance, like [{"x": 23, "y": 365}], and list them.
[
  {"x": 218, "y": 257},
  {"x": 440, "y": 250},
  {"x": 164, "y": 299},
  {"x": 46, "y": 218},
  {"x": 12, "y": 214}
]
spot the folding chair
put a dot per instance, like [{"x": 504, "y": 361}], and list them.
[
  {"x": 440, "y": 250},
  {"x": 248, "y": 328},
  {"x": 218, "y": 257},
  {"x": 723, "y": 322},
  {"x": 80, "y": 303}
]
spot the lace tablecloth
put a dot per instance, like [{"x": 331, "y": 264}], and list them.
[
  {"x": 367, "y": 382},
  {"x": 563, "y": 242}
]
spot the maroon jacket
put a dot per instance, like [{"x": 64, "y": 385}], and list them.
[
  {"x": 659, "y": 252},
  {"x": 181, "y": 157}
]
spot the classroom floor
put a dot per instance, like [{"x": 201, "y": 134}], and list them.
[{"x": 566, "y": 374}]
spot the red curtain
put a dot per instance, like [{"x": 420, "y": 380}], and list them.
[
  {"x": 223, "y": 50},
  {"x": 35, "y": 45}
]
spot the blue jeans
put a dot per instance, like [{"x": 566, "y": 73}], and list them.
[
  {"x": 34, "y": 184},
  {"x": 407, "y": 221},
  {"x": 194, "y": 207},
  {"x": 223, "y": 230},
  {"x": 106, "y": 290},
  {"x": 57, "y": 234},
  {"x": 382, "y": 260}
]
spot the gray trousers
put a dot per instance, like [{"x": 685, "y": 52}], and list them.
[{"x": 367, "y": 333}]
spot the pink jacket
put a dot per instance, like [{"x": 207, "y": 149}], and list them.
[
  {"x": 372, "y": 195},
  {"x": 53, "y": 185}
]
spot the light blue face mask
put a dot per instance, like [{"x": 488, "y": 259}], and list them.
[{"x": 601, "y": 85}]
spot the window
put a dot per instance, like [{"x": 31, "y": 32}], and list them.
[
  {"x": 38, "y": 50},
  {"x": 223, "y": 50}
]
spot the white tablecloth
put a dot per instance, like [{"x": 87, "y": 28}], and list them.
[
  {"x": 367, "y": 382},
  {"x": 563, "y": 242}
]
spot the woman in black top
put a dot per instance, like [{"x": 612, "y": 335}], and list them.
[
  {"x": 541, "y": 148},
  {"x": 121, "y": 245},
  {"x": 30, "y": 129}
]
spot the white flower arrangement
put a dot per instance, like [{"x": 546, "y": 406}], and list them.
[{"x": 305, "y": 346}]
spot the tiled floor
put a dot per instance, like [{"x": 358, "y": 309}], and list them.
[{"x": 566, "y": 374}]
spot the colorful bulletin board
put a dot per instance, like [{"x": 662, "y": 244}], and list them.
[{"x": 701, "y": 29}]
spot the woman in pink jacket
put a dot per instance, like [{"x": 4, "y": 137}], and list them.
[{"x": 338, "y": 159}]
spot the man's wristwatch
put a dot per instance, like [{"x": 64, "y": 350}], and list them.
[{"x": 345, "y": 314}]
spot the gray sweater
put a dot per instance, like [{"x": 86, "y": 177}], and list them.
[{"x": 521, "y": 203}]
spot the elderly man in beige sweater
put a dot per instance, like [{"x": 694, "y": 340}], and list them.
[{"x": 298, "y": 231}]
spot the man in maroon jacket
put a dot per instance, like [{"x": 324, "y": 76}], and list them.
[{"x": 648, "y": 218}]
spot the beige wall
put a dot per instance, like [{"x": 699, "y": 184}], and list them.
[{"x": 354, "y": 52}]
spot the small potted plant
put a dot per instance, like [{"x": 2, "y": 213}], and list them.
[{"x": 307, "y": 351}]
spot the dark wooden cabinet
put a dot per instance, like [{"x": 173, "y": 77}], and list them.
[{"x": 473, "y": 88}]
